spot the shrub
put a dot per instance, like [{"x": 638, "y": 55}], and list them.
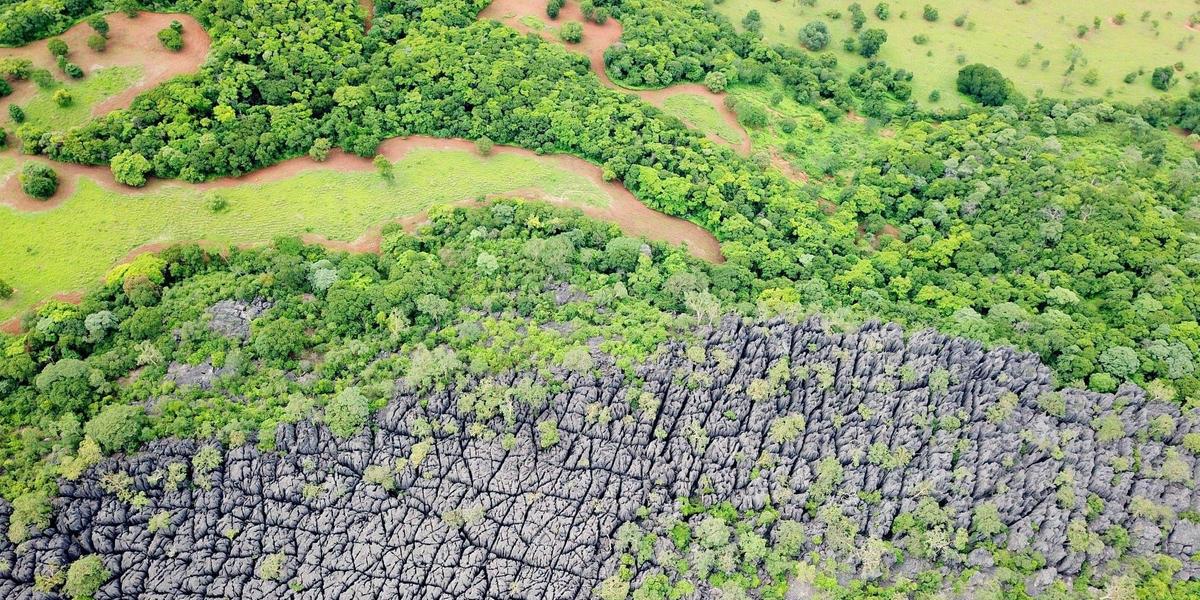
[
  {"x": 347, "y": 412},
  {"x": 1161, "y": 78},
  {"x": 171, "y": 39},
  {"x": 554, "y": 7},
  {"x": 385, "y": 167},
  {"x": 870, "y": 41},
  {"x": 72, "y": 70},
  {"x": 485, "y": 146},
  {"x": 97, "y": 42},
  {"x": 547, "y": 433},
  {"x": 43, "y": 78},
  {"x": 31, "y": 509},
  {"x": 572, "y": 32},
  {"x": 99, "y": 25},
  {"x": 38, "y": 180},
  {"x": 84, "y": 577},
  {"x": 57, "y": 47},
  {"x": 929, "y": 13},
  {"x": 130, "y": 168},
  {"x": 5, "y": 88},
  {"x": 272, "y": 566},
  {"x": 63, "y": 98},
  {"x": 116, "y": 427},
  {"x": 984, "y": 84},
  {"x": 716, "y": 82},
  {"x": 882, "y": 11},
  {"x": 6, "y": 290},
  {"x": 319, "y": 151},
  {"x": 815, "y": 36}
]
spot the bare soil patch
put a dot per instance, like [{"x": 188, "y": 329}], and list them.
[
  {"x": 597, "y": 39},
  {"x": 131, "y": 42}
]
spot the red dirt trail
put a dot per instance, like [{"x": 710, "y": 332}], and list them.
[
  {"x": 131, "y": 42},
  {"x": 597, "y": 39}
]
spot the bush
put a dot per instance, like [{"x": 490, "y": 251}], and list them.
[
  {"x": 171, "y": 39},
  {"x": 72, "y": 70},
  {"x": 16, "y": 113},
  {"x": 572, "y": 32},
  {"x": 347, "y": 412},
  {"x": 485, "y": 146},
  {"x": 1161, "y": 78},
  {"x": 43, "y": 78},
  {"x": 554, "y": 7},
  {"x": 716, "y": 82},
  {"x": 84, "y": 577},
  {"x": 99, "y": 25},
  {"x": 116, "y": 427},
  {"x": 38, "y": 180},
  {"x": 870, "y": 41},
  {"x": 930, "y": 13},
  {"x": 6, "y": 290},
  {"x": 57, "y": 47},
  {"x": 319, "y": 151},
  {"x": 97, "y": 42},
  {"x": 882, "y": 11},
  {"x": 63, "y": 98},
  {"x": 984, "y": 84},
  {"x": 5, "y": 88},
  {"x": 130, "y": 168},
  {"x": 815, "y": 36}
]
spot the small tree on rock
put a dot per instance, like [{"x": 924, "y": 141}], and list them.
[{"x": 84, "y": 577}]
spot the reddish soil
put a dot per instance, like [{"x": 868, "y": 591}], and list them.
[
  {"x": 13, "y": 325},
  {"x": 1183, "y": 133},
  {"x": 131, "y": 42},
  {"x": 788, "y": 169},
  {"x": 597, "y": 39}
]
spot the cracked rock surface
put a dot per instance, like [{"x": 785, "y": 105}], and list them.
[{"x": 460, "y": 513}]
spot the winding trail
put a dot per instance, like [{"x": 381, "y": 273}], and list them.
[{"x": 597, "y": 39}]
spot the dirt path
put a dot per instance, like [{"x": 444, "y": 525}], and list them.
[
  {"x": 597, "y": 39},
  {"x": 131, "y": 42}
]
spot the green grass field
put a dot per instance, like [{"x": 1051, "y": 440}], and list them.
[
  {"x": 1032, "y": 44},
  {"x": 74, "y": 244},
  {"x": 700, "y": 114},
  {"x": 87, "y": 92}
]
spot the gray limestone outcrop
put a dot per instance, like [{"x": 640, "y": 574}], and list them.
[{"x": 430, "y": 503}]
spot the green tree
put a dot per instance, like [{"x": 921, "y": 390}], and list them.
[
  {"x": 277, "y": 340},
  {"x": 385, "y": 167},
  {"x": 99, "y": 24},
  {"x": 929, "y": 13},
  {"x": 38, "y": 180},
  {"x": 347, "y": 412},
  {"x": 57, "y": 47},
  {"x": 84, "y": 577},
  {"x": 63, "y": 98},
  {"x": 984, "y": 84},
  {"x": 97, "y": 42},
  {"x": 571, "y": 32},
  {"x": 6, "y": 290},
  {"x": 116, "y": 427},
  {"x": 16, "y": 113},
  {"x": 1161, "y": 78},
  {"x": 882, "y": 11},
  {"x": 171, "y": 39},
  {"x": 130, "y": 168},
  {"x": 870, "y": 41},
  {"x": 815, "y": 36}
]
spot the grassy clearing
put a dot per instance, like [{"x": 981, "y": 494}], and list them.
[
  {"x": 1040, "y": 35},
  {"x": 699, "y": 113},
  {"x": 87, "y": 92},
  {"x": 44, "y": 254},
  {"x": 8, "y": 165}
]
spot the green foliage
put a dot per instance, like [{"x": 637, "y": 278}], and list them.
[
  {"x": 6, "y": 290},
  {"x": 815, "y": 36},
  {"x": 571, "y": 32},
  {"x": 983, "y": 84},
  {"x": 57, "y": 47},
  {"x": 870, "y": 41},
  {"x": 31, "y": 509},
  {"x": 84, "y": 577},
  {"x": 130, "y": 168},
  {"x": 171, "y": 38},
  {"x": 115, "y": 428},
  {"x": 347, "y": 412},
  {"x": 1161, "y": 78}
]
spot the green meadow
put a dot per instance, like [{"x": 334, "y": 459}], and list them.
[
  {"x": 94, "y": 88},
  {"x": 1037, "y": 45},
  {"x": 74, "y": 244},
  {"x": 699, "y": 113}
]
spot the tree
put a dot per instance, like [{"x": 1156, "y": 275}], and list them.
[
  {"x": 277, "y": 340},
  {"x": 97, "y": 42},
  {"x": 171, "y": 39},
  {"x": 130, "y": 168},
  {"x": 930, "y": 13},
  {"x": 571, "y": 33},
  {"x": 57, "y": 47},
  {"x": 870, "y": 41},
  {"x": 38, "y": 180},
  {"x": 116, "y": 427},
  {"x": 99, "y": 24},
  {"x": 16, "y": 113},
  {"x": 484, "y": 146},
  {"x": 716, "y": 82},
  {"x": 815, "y": 36},
  {"x": 882, "y": 11},
  {"x": 6, "y": 290},
  {"x": 553, "y": 7},
  {"x": 1120, "y": 361},
  {"x": 63, "y": 98},
  {"x": 1161, "y": 78},
  {"x": 752, "y": 21},
  {"x": 347, "y": 412},
  {"x": 984, "y": 84},
  {"x": 385, "y": 167},
  {"x": 319, "y": 151},
  {"x": 84, "y": 577}
]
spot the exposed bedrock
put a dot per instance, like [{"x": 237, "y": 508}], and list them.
[{"x": 470, "y": 515}]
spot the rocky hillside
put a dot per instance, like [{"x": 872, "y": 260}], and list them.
[{"x": 766, "y": 443}]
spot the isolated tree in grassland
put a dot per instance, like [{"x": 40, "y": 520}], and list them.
[
  {"x": 870, "y": 41},
  {"x": 883, "y": 11},
  {"x": 63, "y": 98},
  {"x": 6, "y": 290},
  {"x": 38, "y": 180},
  {"x": 572, "y": 32},
  {"x": 1161, "y": 78},
  {"x": 84, "y": 577},
  {"x": 815, "y": 36},
  {"x": 752, "y": 21},
  {"x": 929, "y": 13},
  {"x": 984, "y": 84},
  {"x": 130, "y": 168}
]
